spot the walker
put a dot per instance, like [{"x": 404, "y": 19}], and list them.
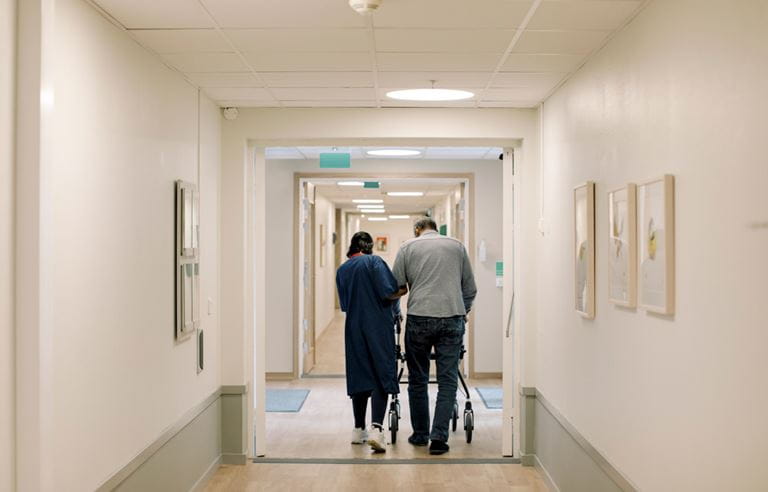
[{"x": 394, "y": 406}]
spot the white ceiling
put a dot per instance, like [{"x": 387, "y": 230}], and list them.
[
  {"x": 356, "y": 153},
  {"x": 435, "y": 190},
  {"x": 314, "y": 53}
]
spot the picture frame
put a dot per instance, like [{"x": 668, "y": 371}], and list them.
[
  {"x": 381, "y": 243},
  {"x": 584, "y": 249},
  {"x": 622, "y": 246},
  {"x": 656, "y": 244}
]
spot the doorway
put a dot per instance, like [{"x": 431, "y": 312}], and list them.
[{"x": 326, "y": 387}]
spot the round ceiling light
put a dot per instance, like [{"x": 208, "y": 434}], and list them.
[
  {"x": 430, "y": 95},
  {"x": 393, "y": 152}
]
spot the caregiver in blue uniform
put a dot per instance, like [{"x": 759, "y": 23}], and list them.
[{"x": 368, "y": 293}]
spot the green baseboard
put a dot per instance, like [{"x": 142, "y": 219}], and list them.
[{"x": 187, "y": 454}]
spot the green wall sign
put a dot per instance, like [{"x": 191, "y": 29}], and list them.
[{"x": 335, "y": 161}]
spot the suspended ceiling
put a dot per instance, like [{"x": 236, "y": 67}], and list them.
[
  {"x": 435, "y": 190},
  {"x": 320, "y": 53},
  {"x": 357, "y": 153}
]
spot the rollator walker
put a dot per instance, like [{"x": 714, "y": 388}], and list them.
[{"x": 394, "y": 405}]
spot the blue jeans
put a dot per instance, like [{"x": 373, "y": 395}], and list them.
[{"x": 446, "y": 336}]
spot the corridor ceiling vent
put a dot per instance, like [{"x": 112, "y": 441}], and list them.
[
  {"x": 432, "y": 94},
  {"x": 364, "y": 7},
  {"x": 393, "y": 152}
]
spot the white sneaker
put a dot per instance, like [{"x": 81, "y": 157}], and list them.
[
  {"x": 377, "y": 439},
  {"x": 359, "y": 436}
]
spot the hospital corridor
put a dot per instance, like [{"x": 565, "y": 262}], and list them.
[{"x": 385, "y": 245}]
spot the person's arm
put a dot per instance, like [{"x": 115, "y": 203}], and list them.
[
  {"x": 468, "y": 287},
  {"x": 384, "y": 282},
  {"x": 341, "y": 292},
  {"x": 400, "y": 276}
]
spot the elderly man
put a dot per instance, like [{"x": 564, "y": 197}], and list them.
[{"x": 436, "y": 272}]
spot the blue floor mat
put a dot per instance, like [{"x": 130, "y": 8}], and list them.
[
  {"x": 286, "y": 400},
  {"x": 492, "y": 397}
]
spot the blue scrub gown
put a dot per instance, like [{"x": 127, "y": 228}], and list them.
[{"x": 364, "y": 283}]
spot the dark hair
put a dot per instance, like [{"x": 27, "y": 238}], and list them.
[
  {"x": 425, "y": 223},
  {"x": 362, "y": 242}
]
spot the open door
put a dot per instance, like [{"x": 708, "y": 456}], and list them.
[{"x": 308, "y": 323}]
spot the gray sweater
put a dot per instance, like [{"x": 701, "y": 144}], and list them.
[{"x": 438, "y": 274}]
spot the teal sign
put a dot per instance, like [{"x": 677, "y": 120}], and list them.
[
  {"x": 499, "y": 268},
  {"x": 335, "y": 161},
  {"x": 371, "y": 184}
]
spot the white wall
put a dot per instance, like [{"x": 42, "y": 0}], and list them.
[
  {"x": 281, "y": 263},
  {"x": 676, "y": 404},
  {"x": 397, "y": 231},
  {"x": 125, "y": 128},
  {"x": 325, "y": 274},
  {"x": 7, "y": 164}
]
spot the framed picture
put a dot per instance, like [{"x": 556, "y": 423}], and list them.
[
  {"x": 622, "y": 247},
  {"x": 656, "y": 217},
  {"x": 381, "y": 243},
  {"x": 584, "y": 251}
]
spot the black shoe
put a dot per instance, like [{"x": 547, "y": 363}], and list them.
[
  {"x": 418, "y": 440},
  {"x": 438, "y": 447}
]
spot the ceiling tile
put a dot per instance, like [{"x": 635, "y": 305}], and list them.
[
  {"x": 524, "y": 79},
  {"x": 509, "y": 104},
  {"x": 444, "y": 40},
  {"x": 283, "y": 153},
  {"x": 448, "y": 80},
  {"x": 406, "y": 62},
  {"x": 182, "y": 40},
  {"x": 597, "y": 15},
  {"x": 305, "y": 62},
  {"x": 322, "y": 94},
  {"x": 318, "y": 79},
  {"x": 516, "y": 94},
  {"x": 206, "y": 62},
  {"x": 561, "y": 42},
  {"x": 154, "y": 14},
  {"x": 300, "y": 40},
  {"x": 247, "y": 103},
  {"x": 241, "y": 93},
  {"x": 329, "y": 104},
  {"x": 284, "y": 13},
  {"x": 238, "y": 79},
  {"x": 451, "y": 13},
  {"x": 519, "y": 62}
]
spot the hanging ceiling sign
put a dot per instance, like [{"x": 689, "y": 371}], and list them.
[{"x": 335, "y": 160}]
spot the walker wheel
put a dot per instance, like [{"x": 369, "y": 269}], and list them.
[
  {"x": 393, "y": 426},
  {"x": 469, "y": 423}
]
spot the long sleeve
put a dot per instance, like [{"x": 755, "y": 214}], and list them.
[
  {"x": 341, "y": 291},
  {"x": 468, "y": 287}
]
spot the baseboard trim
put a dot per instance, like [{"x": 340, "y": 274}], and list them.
[
  {"x": 233, "y": 459},
  {"x": 618, "y": 478},
  {"x": 486, "y": 375},
  {"x": 207, "y": 476},
  {"x": 121, "y": 475},
  {"x": 551, "y": 485},
  {"x": 279, "y": 376},
  {"x": 126, "y": 474}
]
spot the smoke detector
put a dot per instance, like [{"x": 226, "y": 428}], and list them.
[
  {"x": 230, "y": 113},
  {"x": 364, "y": 7}
]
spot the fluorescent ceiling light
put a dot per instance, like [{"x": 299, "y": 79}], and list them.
[
  {"x": 370, "y": 206},
  {"x": 399, "y": 216},
  {"x": 430, "y": 95},
  {"x": 393, "y": 152},
  {"x": 405, "y": 193},
  {"x": 350, "y": 183},
  {"x": 367, "y": 200},
  {"x": 377, "y": 219},
  {"x": 374, "y": 211}
]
